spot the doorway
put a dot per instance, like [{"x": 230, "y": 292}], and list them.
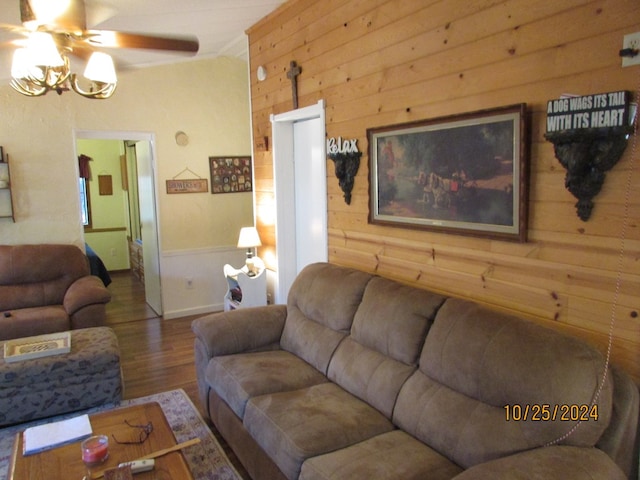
[
  {"x": 299, "y": 164},
  {"x": 142, "y": 144}
]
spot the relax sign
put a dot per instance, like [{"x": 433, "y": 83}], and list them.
[
  {"x": 341, "y": 146},
  {"x": 590, "y": 111}
]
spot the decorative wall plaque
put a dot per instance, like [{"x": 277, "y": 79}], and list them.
[
  {"x": 589, "y": 135},
  {"x": 231, "y": 174},
  {"x": 346, "y": 157},
  {"x": 188, "y": 185}
]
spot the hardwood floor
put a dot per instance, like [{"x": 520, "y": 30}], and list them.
[{"x": 156, "y": 354}]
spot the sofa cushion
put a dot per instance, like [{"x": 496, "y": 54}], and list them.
[
  {"x": 237, "y": 378},
  {"x": 293, "y": 426},
  {"x": 369, "y": 375},
  {"x": 320, "y": 308},
  {"x": 393, "y": 319},
  {"x": 553, "y": 463},
  {"x": 26, "y": 322},
  {"x": 386, "y": 337},
  {"x": 476, "y": 362},
  {"x": 390, "y": 456}
]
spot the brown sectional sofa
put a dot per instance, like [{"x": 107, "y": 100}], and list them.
[
  {"x": 361, "y": 377},
  {"x": 48, "y": 289}
]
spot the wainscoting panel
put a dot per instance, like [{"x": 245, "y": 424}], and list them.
[{"x": 192, "y": 280}]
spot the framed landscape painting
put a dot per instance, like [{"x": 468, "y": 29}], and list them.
[{"x": 464, "y": 174}]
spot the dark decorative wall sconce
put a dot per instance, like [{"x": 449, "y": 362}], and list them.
[
  {"x": 346, "y": 157},
  {"x": 589, "y": 135},
  {"x": 587, "y": 155}
]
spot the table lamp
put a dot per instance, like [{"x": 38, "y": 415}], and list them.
[{"x": 250, "y": 239}]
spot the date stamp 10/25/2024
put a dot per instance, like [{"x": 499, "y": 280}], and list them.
[{"x": 550, "y": 413}]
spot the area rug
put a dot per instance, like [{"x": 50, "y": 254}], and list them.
[{"x": 206, "y": 460}]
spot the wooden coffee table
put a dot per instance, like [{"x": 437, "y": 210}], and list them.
[{"x": 65, "y": 462}]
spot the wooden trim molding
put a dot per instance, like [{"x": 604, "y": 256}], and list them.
[{"x": 105, "y": 230}]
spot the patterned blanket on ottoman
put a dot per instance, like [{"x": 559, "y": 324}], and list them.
[{"x": 88, "y": 376}]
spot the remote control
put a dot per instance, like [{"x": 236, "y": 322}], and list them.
[{"x": 139, "y": 466}]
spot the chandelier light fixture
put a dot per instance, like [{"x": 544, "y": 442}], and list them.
[
  {"x": 55, "y": 31},
  {"x": 41, "y": 66}
]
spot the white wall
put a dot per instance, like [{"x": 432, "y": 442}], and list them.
[
  {"x": 207, "y": 99},
  {"x": 204, "y": 267}
]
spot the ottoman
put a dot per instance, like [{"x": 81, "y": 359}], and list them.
[{"x": 88, "y": 376}]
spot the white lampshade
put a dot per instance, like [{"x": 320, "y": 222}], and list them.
[
  {"x": 249, "y": 238},
  {"x": 21, "y": 66},
  {"x": 42, "y": 51},
  {"x": 100, "y": 68}
]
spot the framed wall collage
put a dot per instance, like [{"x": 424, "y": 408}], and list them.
[{"x": 231, "y": 174}]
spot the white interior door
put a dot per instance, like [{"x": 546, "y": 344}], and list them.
[
  {"x": 300, "y": 179},
  {"x": 149, "y": 226},
  {"x": 310, "y": 192}
]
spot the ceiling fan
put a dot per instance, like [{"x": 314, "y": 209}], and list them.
[{"x": 55, "y": 29}]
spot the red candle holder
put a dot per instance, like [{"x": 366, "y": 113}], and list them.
[{"x": 95, "y": 450}]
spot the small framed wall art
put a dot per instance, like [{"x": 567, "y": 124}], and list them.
[{"x": 231, "y": 174}]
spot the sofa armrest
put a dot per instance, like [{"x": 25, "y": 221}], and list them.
[
  {"x": 85, "y": 291},
  {"x": 241, "y": 330},
  {"x": 548, "y": 463}
]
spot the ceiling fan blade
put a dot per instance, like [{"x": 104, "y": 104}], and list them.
[
  {"x": 26, "y": 12},
  {"x": 14, "y": 29},
  {"x": 99, "y": 12},
  {"x": 81, "y": 52},
  {"x": 72, "y": 19},
  {"x": 113, "y": 39}
]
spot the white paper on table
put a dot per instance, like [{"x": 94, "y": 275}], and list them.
[{"x": 50, "y": 435}]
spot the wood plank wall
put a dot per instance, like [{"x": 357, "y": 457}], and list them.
[{"x": 382, "y": 62}]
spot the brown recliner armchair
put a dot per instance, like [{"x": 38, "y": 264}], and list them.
[{"x": 47, "y": 289}]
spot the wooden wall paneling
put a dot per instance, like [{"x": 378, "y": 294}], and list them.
[
  {"x": 384, "y": 62},
  {"x": 588, "y": 313},
  {"x": 326, "y": 27},
  {"x": 334, "y": 41},
  {"x": 480, "y": 52},
  {"x": 599, "y": 258},
  {"x": 491, "y": 73},
  {"x": 522, "y": 71},
  {"x": 411, "y": 56},
  {"x": 561, "y": 216}
]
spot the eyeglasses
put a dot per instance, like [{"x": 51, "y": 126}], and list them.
[{"x": 145, "y": 430}]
